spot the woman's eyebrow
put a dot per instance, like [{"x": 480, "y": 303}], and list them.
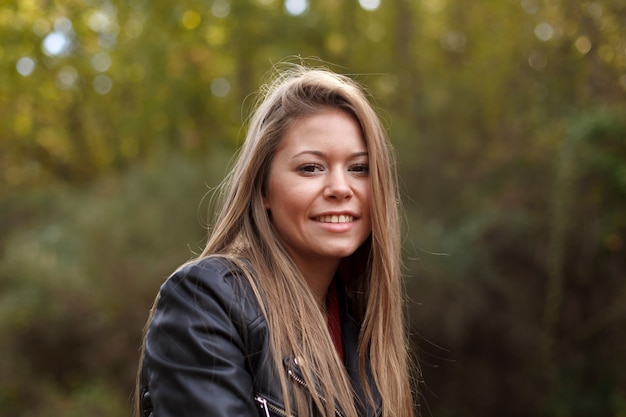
[
  {"x": 322, "y": 154},
  {"x": 357, "y": 154}
]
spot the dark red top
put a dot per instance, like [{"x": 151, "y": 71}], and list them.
[{"x": 334, "y": 320}]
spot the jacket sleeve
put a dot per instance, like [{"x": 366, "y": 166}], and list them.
[{"x": 195, "y": 350}]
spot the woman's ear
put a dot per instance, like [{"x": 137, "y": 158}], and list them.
[{"x": 265, "y": 198}]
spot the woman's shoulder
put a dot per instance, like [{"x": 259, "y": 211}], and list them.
[
  {"x": 210, "y": 270},
  {"x": 213, "y": 264},
  {"x": 214, "y": 280}
]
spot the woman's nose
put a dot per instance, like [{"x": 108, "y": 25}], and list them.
[{"x": 338, "y": 186}]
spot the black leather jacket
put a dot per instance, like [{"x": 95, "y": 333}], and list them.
[{"x": 206, "y": 350}]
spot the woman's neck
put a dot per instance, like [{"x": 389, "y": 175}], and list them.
[{"x": 318, "y": 275}]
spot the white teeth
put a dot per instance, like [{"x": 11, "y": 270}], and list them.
[{"x": 342, "y": 218}]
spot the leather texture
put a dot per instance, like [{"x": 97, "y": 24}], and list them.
[{"x": 206, "y": 349}]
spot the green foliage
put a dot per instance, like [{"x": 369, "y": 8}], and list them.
[
  {"x": 530, "y": 297},
  {"x": 78, "y": 278}
]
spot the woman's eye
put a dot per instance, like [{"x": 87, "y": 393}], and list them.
[
  {"x": 360, "y": 168},
  {"x": 310, "y": 168}
]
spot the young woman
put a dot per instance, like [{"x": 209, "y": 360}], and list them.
[{"x": 294, "y": 308}]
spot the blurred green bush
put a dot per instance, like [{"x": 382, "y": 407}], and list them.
[
  {"x": 78, "y": 271},
  {"x": 520, "y": 302}
]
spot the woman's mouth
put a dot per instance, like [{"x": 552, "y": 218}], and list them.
[{"x": 336, "y": 218}]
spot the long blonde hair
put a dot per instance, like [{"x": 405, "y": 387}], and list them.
[{"x": 242, "y": 229}]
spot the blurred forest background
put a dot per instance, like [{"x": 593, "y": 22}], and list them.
[{"x": 509, "y": 117}]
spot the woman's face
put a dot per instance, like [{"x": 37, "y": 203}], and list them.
[{"x": 318, "y": 190}]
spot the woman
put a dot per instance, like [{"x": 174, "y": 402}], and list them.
[{"x": 294, "y": 306}]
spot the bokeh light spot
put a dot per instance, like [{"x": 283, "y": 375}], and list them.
[
  {"x": 530, "y": 6},
  {"x": 101, "y": 62},
  {"x": 106, "y": 41},
  {"x": 434, "y": 6},
  {"x": 537, "y": 61},
  {"x": 133, "y": 28},
  {"x": 220, "y": 87},
  {"x": 544, "y": 31},
  {"x": 41, "y": 27},
  {"x": 387, "y": 84},
  {"x": 103, "y": 22},
  {"x": 375, "y": 32},
  {"x": 67, "y": 76},
  {"x": 583, "y": 45},
  {"x": 112, "y": 29},
  {"x": 25, "y": 66},
  {"x": 606, "y": 53},
  {"x": 220, "y": 9},
  {"x": 369, "y": 4},
  {"x": 63, "y": 25},
  {"x": 102, "y": 84},
  {"x": 98, "y": 21},
  {"x": 191, "y": 19},
  {"x": 56, "y": 44},
  {"x": 453, "y": 41},
  {"x": 296, "y": 7},
  {"x": 215, "y": 35},
  {"x": 595, "y": 9}
]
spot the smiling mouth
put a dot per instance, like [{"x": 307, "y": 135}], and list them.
[{"x": 342, "y": 218}]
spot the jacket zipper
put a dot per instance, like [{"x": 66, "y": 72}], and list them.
[
  {"x": 267, "y": 407},
  {"x": 303, "y": 383}
]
